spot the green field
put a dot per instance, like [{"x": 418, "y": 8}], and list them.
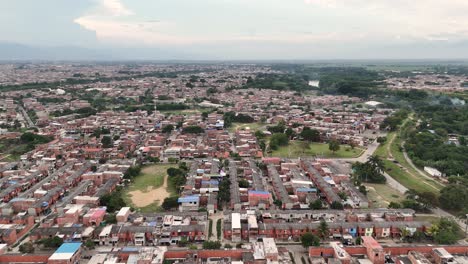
[
  {"x": 399, "y": 169},
  {"x": 152, "y": 175},
  {"x": 381, "y": 195},
  {"x": 244, "y": 126},
  {"x": 295, "y": 149},
  {"x": 150, "y": 185}
]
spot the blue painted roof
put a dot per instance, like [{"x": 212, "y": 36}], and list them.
[
  {"x": 68, "y": 248},
  {"x": 188, "y": 199},
  {"x": 212, "y": 182},
  {"x": 129, "y": 249},
  {"x": 259, "y": 192},
  {"x": 306, "y": 190}
]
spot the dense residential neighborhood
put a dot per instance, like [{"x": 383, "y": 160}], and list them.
[{"x": 222, "y": 163}]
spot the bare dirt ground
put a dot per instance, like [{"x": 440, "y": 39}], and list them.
[{"x": 150, "y": 195}]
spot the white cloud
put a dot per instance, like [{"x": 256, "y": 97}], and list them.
[
  {"x": 419, "y": 19},
  {"x": 115, "y": 8},
  {"x": 340, "y": 22}
]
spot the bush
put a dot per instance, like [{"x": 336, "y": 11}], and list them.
[
  {"x": 170, "y": 203},
  {"x": 211, "y": 245},
  {"x": 309, "y": 239},
  {"x": 27, "y": 248}
]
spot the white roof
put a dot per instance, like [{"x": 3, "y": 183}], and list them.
[
  {"x": 270, "y": 245},
  {"x": 123, "y": 211},
  {"x": 61, "y": 256},
  {"x": 236, "y": 221},
  {"x": 373, "y": 103}
]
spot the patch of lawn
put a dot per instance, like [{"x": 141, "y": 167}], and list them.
[
  {"x": 427, "y": 218},
  {"x": 150, "y": 176},
  {"x": 381, "y": 195},
  {"x": 297, "y": 149},
  {"x": 407, "y": 179}
]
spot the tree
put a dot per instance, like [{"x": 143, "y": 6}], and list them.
[
  {"x": 428, "y": 199},
  {"x": 454, "y": 197},
  {"x": 446, "y": 232},
  {"x": 27, "y": 248},
  {"x": 323, "y": 229},
  {"x": 243, "y": 183},
  {"x": 462, "y": 140},
  {"x": 309, "y": 240},
  {"x": 167, "y": 129},
  {"x": 343, "y": 195},
  {"x": 170, "y": 203},
  {"x": 259, "y": 134},
  {"x": 394, "y": 205},
  {"x": 370, "y": 171},
  {"x": 106, "y": 141},
  {"x": 316, "y": 205},
  {"x": 112, "y": 201},
  {"x": 278, "y": 139},
  {"x": 358, "y": 240},
  {"x": 290, "y": 133},
  {"x": 110, "y": 219},
  {"x": 376, "y": 163},
  {"x": 336, "y": 205},
  {"x": 333, "y": 146},
  {"x": 310, "y": 135},
  {"x": 183, "y": 242},
  {"x": 193, "y": 130},
  {"x": 211, "y": 245},
  {"x": 381, "y": 140},
  {"x": 362, "y": 189},
  {"x": 52, "y": 242},
  {"x": 89, "y": 244}
]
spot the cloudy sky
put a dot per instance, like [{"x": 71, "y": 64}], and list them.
[{"x": 245, "y": 29}]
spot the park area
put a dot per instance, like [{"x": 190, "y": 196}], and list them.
[
  {"x": 149, "y": 188},
  {"x": 297, "y": 149}
]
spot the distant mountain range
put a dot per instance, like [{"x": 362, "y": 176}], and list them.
[{"x": 15, "y": 51}]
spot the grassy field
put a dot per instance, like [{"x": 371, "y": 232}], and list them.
[
  {"x": 150, "y": 176},
  {"x": 381, "y": 195},
  {"x": 151, "y": 179},
  {"x": 295, "y": 150},
  {"x": 399, "y": 169},
  {"x": 243, "y": 126}
]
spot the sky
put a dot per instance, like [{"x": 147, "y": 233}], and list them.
[{"x": 244, "y": 29}]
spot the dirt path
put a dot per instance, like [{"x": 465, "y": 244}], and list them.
[{"x": 151, "y": 195}]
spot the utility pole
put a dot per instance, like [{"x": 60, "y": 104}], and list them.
[{"x": 466, "y": 224}]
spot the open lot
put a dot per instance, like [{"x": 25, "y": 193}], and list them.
[
  {"x": 244, "y": 126},
  {"x": 149, "y": 188},
  {"x": 381, "y": 195},
  {"x": 296, "y": 149}
]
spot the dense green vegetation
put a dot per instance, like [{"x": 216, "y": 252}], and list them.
[
  {"x": 232, "y": 117},
  {"x": 349, "y": 81},
  {"x": 369, "y": 171},
  {"x": 193, "y": 130},
  {"x": 19, "y": 146},
  {"x": 292, "y": 82},
  {"x": 81, "y": 112},
  {"x": 113, "y": 201}
]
